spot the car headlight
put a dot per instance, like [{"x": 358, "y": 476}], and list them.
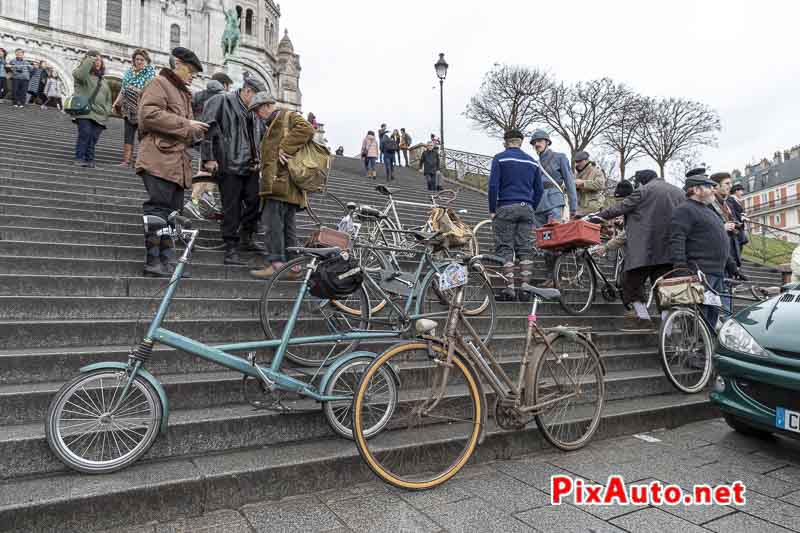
[{"x": 734, "y": 337}]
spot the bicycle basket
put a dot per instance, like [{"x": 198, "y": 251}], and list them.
[
  {"x": 336, "y": 278},
  {"x": 687, "y": 290},
  {"x": 453, "y": 232}
]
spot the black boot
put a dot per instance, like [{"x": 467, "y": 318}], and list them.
[
  {"x": 168, "y": 257},
  {"x": 152, "y": 261},
  {"x": 248, "y": 243},
  {"x": 232, "y": 254}
]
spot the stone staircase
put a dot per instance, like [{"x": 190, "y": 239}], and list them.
[{"x": 71, "y": 293}]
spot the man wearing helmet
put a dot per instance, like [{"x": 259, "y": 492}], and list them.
[{"x": 558, "y": 167}]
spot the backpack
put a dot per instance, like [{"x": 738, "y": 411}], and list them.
[
  {"x": 310, "y": 166},
  {"x": 336, "y": 278},
  {"x": 455, "y": 233},
  {"x": 390, "y": 145}
]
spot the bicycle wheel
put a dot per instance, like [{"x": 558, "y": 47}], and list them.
[
  {"x": 344, "y": 382},
  {"x": 434, "y": 429},
  {"x": 373, "y": 263},
  {"x": 90, "y": 433},
  {"x": 483, "y": 237},
  {"x": 480, "y": 308},
  {"x": 574, "y": 277},
  {"x": 686, "y": 346},
  {"x": 568, "y": 382},
  {"x": 316, "y": 316}
]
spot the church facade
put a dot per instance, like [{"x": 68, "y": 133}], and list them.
[{"x": 61, "y": 31}]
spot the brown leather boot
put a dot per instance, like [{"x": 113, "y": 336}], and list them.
[{"x": 127, "y": 154}]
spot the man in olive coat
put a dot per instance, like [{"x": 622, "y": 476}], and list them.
[
  {"x": 287, "y": 133},
  {"x": 167, "y": 128},
  {"x": 590, "y": 181},
  {"x": 647, "y": 249}
]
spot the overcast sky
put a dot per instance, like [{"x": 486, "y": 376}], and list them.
[{"x": 368, "y": 62}]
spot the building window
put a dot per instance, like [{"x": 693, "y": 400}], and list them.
[
  {"x": 174, "y": 36},
  {"x": 248, "y": 22},
  {"x": 778, "y": 219},
  {"x": 763, "y": 197},
  {"x": 44, "y": 12},
  {"x": 239, "y": 16},
  {"x": 114, "y": 16}
]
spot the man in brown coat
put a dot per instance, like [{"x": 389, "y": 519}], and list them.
[
  {"x": 167, "y": 128},
  {"x": 288, "y": 132}
]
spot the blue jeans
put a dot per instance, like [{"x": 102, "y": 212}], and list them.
[
  {"x": 20, "y": 91},
  {"x": 88, "y": 133},
  {"x": 388, "y": 161},
  {"x": 710, "y": 312}
]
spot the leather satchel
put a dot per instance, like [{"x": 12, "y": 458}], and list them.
[
  {"x": 81, "y": 105},
  {"x": 327, "y": 237}
]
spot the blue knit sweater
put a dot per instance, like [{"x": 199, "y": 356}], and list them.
[{"x": 515, "y": 178}]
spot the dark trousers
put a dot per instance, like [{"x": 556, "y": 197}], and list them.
[
  {"x": 633, "y": 282},
  {"x": 405, "y": 155},
  {"x": 164, "y": 196},
  {"x": 2, "y": 87},
  {"x": 388, "y": 162},
  {"x": 88, "y": 133},
  {"x": 432, "y": 183},
  {"x": 512, "y": 225},
  {"x": 281, "y": 232},
  {"x": 20, "y": 91},
  {"x": 239, "y": 205}
]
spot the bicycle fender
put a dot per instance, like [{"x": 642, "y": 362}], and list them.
[
  {"x": 346, "y": 359},
  {"x": 162, "y": 395}
]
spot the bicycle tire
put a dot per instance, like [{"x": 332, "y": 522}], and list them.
[
  {"x": 311, "y": 320},
  {"x": 480, "y": 306},
  {"x": 678, "y": 369},
  {"x": 572, "y": 274},
  {"x": 429, "y": 449},
  {"x": 123, "y": 430},
  {"x": 537, "y": 388},
  {"x": 483, "y": 236},
  {"x": 344, "y": 381}
]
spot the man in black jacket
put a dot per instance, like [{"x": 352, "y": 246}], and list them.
[
  {"x": 647, "y": 255},
  {"x": 429, "y": 164},
  {"x": 231, "y": 150},
  {"x": 219, "y": 83},
  {"x": 698, "y": 239}
]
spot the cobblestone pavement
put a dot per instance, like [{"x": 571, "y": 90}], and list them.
[{"x": 511, "y": 496}]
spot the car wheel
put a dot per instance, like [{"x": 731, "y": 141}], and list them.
[{"x": 740, "y": 426}]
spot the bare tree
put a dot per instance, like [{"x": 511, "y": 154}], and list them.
[
  {"x": 582, "y": 112},
  {"x": 507, "y": 99},
  {"x": 621, "y": 136},
  {"x": 683, "y": 163},
  {"x": 675, "y": 126}
]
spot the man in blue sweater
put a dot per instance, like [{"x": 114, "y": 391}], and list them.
[{"x": 515, "y": 188}]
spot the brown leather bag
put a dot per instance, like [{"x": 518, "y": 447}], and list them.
[{"x": 327, "y": 237}]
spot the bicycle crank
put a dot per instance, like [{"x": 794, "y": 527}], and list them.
[{"x": 509, "y": 417}]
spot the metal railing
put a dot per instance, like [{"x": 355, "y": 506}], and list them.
[{"x": 769, "y": 245}]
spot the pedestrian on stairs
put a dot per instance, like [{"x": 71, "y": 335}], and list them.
[
  {"x": 89, "y": 82},
  {"x": 381, "y": 133},
  {"x": 405, "y": 144},
  {"x": 33, "y": 82},
  {"x": 2, "y": 73},
  {"x": 389, "y": 147},
  {"x": 21, "y": 74},
  {"x": 167, "y": 129},
  {"x": 230, "y": 150},
  {"x": 429, "y": 165},
  {"x": 369, "y": 153},
  {"x": 515, "y": 187},
  {"x": 134, "y": 81},
  {"x": 647, "y": 246},
  {"x": 52, "y": 92},
  {"x": 287, "y": 132}
]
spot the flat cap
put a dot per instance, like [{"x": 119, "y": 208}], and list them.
[
  {"x": 645, "y": 176},
  {"x": 188, "y": 57},
  {"x": 254, "y": 83},
  {"x": 699, "y": 171},
  {"x": 513, "y": 134},
  {"x": 260, "y": 99},
  {"x": 222, "y": 78},
  {"x": 582, "y": 156}
]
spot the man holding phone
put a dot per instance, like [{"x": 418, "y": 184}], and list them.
[{"x": 167, "y": 129}]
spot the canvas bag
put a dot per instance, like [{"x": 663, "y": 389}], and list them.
[
  {"x": 80, "y": 105},
  {"x": 455, "y": 233},
  {"x": 687, "y": 290},
  {"x": 310, "y": 166}
]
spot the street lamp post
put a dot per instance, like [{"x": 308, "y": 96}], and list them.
[{"x": 441, "y": 73}]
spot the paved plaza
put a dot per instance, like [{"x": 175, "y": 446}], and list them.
[{"x": 513, "y": 496}]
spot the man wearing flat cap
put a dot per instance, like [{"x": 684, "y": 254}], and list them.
[
  {"x": 515, "y": 189},
  {"x": 231, "y": 151},
  {"x": 167, "y": 129},
  {"x": 698, "y": 240},
  {"x": 590, "y": 181},
  {"x": 647, "y": 212}
]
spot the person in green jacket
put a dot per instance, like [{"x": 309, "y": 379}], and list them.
[{"x": 87, "y": 77}]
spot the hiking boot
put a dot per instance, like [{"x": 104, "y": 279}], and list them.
[
  {"x": 264, "y": 273},
  {"x": 247, "y": 243},
  {"x": 232, "y": 255},
  {"x": 632, "y": 322},
  {"x": 152, "y": 261}
]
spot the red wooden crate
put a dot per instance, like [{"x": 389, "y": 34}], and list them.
[{"x": 573, "y": 234}]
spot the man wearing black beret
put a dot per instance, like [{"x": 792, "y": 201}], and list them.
[
  {"x": 231, "y": 151},
  {"x": 647, "y": 249}
]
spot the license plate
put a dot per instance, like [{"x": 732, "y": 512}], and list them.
[
  {"x": 788, "y": 420},
  {"x": 712, "y": 298},
  {"x": 454, "y": 275}
]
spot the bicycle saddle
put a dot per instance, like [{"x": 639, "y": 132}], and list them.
[
  {"x": 322, "y": 253},
  {"x": 383, "y": 189},
  {"x": 544, "y": 294}
]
